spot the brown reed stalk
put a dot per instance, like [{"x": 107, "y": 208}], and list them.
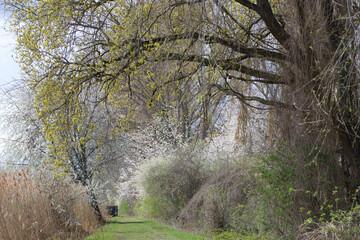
[{"x": 39, "y": 207}]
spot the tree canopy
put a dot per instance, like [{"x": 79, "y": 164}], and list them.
[{"x": 181, "y": 59}]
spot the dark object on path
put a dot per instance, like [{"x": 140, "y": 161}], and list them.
[{"x": 112, "y": 210}]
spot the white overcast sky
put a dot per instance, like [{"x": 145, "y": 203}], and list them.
[{"x": 9, "y": 69}]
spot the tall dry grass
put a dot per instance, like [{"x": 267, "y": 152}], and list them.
[{"x": 41, "y": 207}]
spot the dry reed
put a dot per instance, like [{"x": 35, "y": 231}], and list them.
[{"x": 41, "y": 207}]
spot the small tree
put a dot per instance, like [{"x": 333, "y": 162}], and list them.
[
  {"x": 84, "y": 144},
  {"x": 80, "y": 142}
]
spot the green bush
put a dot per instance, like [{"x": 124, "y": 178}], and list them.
[
  {"x": 152, "y": 207},
  {"x": 276, "y": 189},
  {"x": 169, "y": 183},
  {"x": 124, "y": 207},
  {"x": 220, "y": 234},
  {"x": 342, "y": 225},
  {"x": 294, "y": 183},
  {"x": 245, "y": 197}
]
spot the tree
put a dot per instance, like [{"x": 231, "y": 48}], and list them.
[
  {"x": 84, "y": 144},
  {"x": 306, "y": 50},
  {"x": 23, "y": 142},
  {"x": 81, "y": 145}
]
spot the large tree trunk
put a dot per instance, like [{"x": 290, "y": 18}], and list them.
[
  {"x": 325, "y": 89},
  {"x": 342, "y": 39}
]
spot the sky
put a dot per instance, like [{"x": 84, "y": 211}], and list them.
[{"x": 9, "y": 69}]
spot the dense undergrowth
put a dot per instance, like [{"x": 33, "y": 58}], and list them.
[{"x": 289, "y": 193}]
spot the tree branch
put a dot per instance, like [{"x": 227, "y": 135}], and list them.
[
  {"x": 264, "y": 9},
  {"x": 252, "y": 52},
  {"x": 272, "y": 23},
  {"x": 255, "y": 80},
  {"x": 249, "y": 5},
  {"x": 244, "y": 98},
  {"x": 225, "y": 65}
]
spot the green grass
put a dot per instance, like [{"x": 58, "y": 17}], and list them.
[{"x": 138, "y": 228}]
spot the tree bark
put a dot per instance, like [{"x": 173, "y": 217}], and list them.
[{"x": 94, "y": 204}]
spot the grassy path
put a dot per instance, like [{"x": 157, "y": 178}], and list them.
[{"x": 137, "y": 228}]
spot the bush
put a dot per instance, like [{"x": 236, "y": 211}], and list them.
[
  {"x": 275, "y": 187},
  {"x": 293, "y": 183},
  {"x": 221, "y": 201},
  {"x": 42, "y": 208},
  {"x": 124, "y": 207},
  {"x": 220, "y": 234},
  {"x": 203, "y": 194},
  {"x": 342, "y": 225},
  {"x": 168, "y": 184},
  {"x": 277, "y": 192}
]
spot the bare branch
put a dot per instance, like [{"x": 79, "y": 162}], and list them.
[
  {"x": 225, "y": 65},
  {"x": 252, "y": 52},
  {"x": 264, "y": 9},
  {"x": 244, "y": 98}
]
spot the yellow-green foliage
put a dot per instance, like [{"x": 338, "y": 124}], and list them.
[
  {"x": 43, "y": 29},
  {"x": 117, "y": 50},
  {"x": 342, "y": 225}
]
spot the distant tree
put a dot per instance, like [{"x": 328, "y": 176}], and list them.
[
  {"x": 23, "y": 139},
  {"x": 83, "y": 145}
]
